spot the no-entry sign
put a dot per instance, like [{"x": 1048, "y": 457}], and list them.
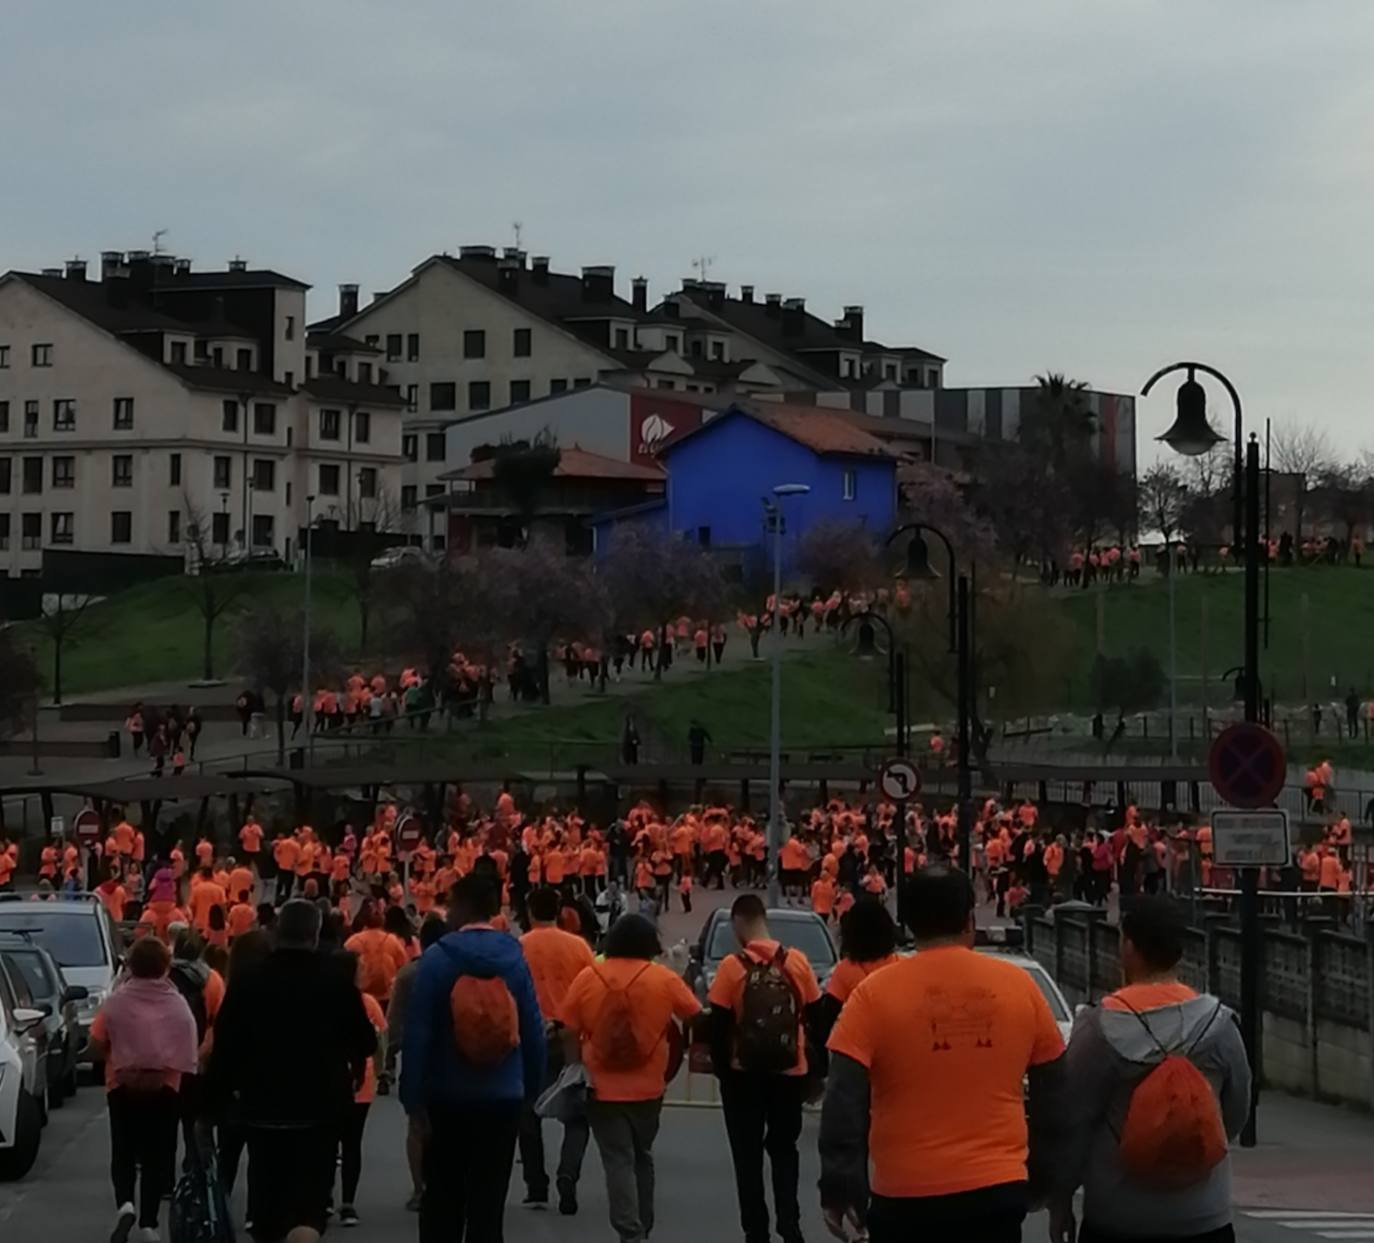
[
  {"x": 86, "y": 825},
  {"x": 407, "y": 833},
  {"x": 1247, "y": 765}
]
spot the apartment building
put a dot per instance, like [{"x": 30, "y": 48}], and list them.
[{"x": 159, "y": 409}]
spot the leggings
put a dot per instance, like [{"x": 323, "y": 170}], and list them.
[{"x": 351, "y": 1150}]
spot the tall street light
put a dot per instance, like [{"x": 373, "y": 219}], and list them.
[
  {"x": 1192, "y": 435},
  {"x": 772, "y": 508},
  {"x": 961, "y": 644},
  {"x": 307, "y": 698}
]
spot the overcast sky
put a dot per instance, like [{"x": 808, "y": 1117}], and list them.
[{"x": 1097, "y": 188}]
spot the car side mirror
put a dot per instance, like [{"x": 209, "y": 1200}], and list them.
[
  {"x": 27, "y": 1017},
  {"x": 75, "y": 992},
  {"x": 1081, "y": 1008}
]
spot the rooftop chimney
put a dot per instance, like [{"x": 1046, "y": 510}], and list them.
[
  {"x": 640, "y": 297},
  {"x": 539, "y": 266},
  {"x": 182, "y": 267},
  {"x": 851, "y": 327},
  {"x": 598, "y": 282},
  {"x": 76, "y": 269},
  {"x": 348, "y": 301},
  {"x": 772, "y": 304},
  {"x": 516, "y": 254},
  {"x": 477, "y": 252},
  {"x": 238, "y": 265},
  {"x": 50, "y": 272},
  {"x": 715, "y": 294},
  {"x": 141, "y": 269},
  {"x": 746, "y": 293},
  {"x": 508, "y": 275},
  {"x": 794, "y": 317},
  {"x": 110, "y": 262}
]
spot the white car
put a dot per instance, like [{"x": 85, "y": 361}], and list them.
[
  {"x": 399, "y": 555},
  {"x": 23, "y": 1084},
  {"x": 1059, "y": 1006}
]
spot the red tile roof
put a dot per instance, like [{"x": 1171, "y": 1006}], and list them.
[
  {"x": 823, "y": 431},
  {"x": 573, "y": 463}
]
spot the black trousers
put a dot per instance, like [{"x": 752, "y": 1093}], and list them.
[
  {"x": 1090, "y": 1234},
  {"x": 143, "y": 1137},
  {"x": 990, "y": 1215},
  {"x": 467, "y": 1167},
  {"x": 351, "y": 1152},
  {"x": 290, "y": 1178},
  {"x": 575, "y": 1136},
  {"x": 763, "y": 1115}
]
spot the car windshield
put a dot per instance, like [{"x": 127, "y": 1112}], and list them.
[
  {"x": 807, "y": 935},
  {"x": 1046, "y": 986},
  {"x": 72, "y": 940},
  {"x": 30, "y": 966}
]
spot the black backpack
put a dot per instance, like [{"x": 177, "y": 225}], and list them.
[
  {"x": 768, "y": 1027},
  {"x": 191, "y": 985}
]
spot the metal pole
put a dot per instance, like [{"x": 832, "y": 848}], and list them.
[
  {"x": 775, "y": 727},
  {"x": 964, "y": 658},
  {"x": 899, "y": 695},
  {"x": 1172, "y": 563},
  {"x": 307, "y": 698},
  {"x": 1251, "y": 947},
  {"x": 1202, "y": 652}
]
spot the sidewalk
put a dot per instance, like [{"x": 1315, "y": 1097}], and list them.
[{"x": 1309, "y": 1156}]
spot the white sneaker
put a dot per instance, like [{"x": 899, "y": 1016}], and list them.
[
  {"x": 150, "y": 1234},
  {"x": 125, "y": 1216}
]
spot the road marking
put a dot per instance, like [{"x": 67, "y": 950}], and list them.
[{"x": 1323, "y": 1223}]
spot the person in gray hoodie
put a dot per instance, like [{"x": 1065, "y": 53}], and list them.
[{"x": 1114, "y": 1046}]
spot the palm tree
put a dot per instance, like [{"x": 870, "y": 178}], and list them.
[{"x": 1061, "y": 422}]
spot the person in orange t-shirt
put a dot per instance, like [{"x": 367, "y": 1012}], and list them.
[
  {"x": 380, "y": 956},
  {"x": 243, "y": 917},
  {"x": 205, "y": 895},
  {"x": 868, "y": 943},
  {"x": 942, "y": 1115},
  {"x": 555, "y": 958},
  {"x": 763, "y": 1108},
  {"x": 823, "y": 896},
  {"x": 285, "y": 851},
  {"x": 355, "y": 1122},
  {"x": 250, "y": 840},
  {"x": 627, "y": 1100}
]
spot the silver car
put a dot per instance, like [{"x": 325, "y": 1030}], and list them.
[
  {"x": 797, "y": 929},
  {"x": 32, "y": 965}
]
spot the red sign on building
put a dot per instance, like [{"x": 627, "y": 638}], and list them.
[{"x": 654, "y": 420}]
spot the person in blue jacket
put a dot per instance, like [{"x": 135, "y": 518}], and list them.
[{"x": 468, "y": 1116}]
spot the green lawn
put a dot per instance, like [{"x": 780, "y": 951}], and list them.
[
  {"x": 155, "y": 633},
  {"x": 1332, "y": 637}
]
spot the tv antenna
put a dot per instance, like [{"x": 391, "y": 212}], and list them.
[
  {"x": 702, "y": 264},
  {"x": 519, "y": 232},
  {"x": 158, "y": 235}
]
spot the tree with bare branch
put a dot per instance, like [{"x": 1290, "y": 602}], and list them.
[
  {"x": 1162, "y": 496},
  {"x": 211, "y": 589},
  {"x": 1302, "y": 450},
  {"x": 840, "y": 555},
  {"x": 65, "y": 618},
  {"x": 381, "y": 531},
  {"x": 19, "y": 682}
]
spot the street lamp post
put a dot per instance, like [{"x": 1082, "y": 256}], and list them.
[
  {"x": 961, "y": 644},
  {"x": 1192, "y": 435},
  {"x": 773, "y": 514},
  {"x": 307, "y": 698}
]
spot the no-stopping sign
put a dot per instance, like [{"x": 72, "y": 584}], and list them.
[{"x": 900, "y": 780}]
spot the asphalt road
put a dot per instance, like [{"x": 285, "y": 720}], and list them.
[{"x": 67, "y": 1198}]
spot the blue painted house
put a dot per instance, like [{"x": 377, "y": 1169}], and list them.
[{"x": 719, "y": 472}]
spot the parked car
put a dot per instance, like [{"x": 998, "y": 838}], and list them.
[
  {"x": 78, "y": 933},
  {"x": 49, "y": 990},
  {"x": 797, "y": 929},
  {"x": 23, "y": 1086},
  {"x": 399, "y": 555}
]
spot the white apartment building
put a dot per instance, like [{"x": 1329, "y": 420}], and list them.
[
  {"x": 159, "y": 408},
  {"x": 464, "y": 335}
]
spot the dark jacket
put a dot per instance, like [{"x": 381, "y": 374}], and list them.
[
  {"x": 432, "y": 1068},
  {"x": 291, "y": 1041}
]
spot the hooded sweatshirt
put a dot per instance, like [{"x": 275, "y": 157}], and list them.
[
  {"x": 1110, "y": 1052},
  {"x": 433, "y": 1071}
]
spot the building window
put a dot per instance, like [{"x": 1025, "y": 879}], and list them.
[
  {"x": 64, "y": 472},
  {"x": 889, "y": 371},
  {"x": 265, "y": 419},
  {"x": 521, "y": 346},
  {"x": 121, "y": 527},
  {"x": 4, "y": 417},
  {"x": 264, "y": 475},
  {"x": 30, "y": 420},
  {"x": 6, "y": 476},
  {"x": 217, "y": 356},
  {"x": 364, "y": 373},
  {"x": 223, "y": 473},
  {"x": 243, "y": 360},
  {"x": 932, "y": 378},
  {"x": 178, "y": 353},
  {"x": 393, "y": 347},
  {"x": 367, "y": 483},
  {"x": 622, "y": 338},
  {"x": 329, "y": 479},
  {"x": 42, "y": 355},
  {"x": 410, "y": 447},
  {"x": 229, "y": 415},
  {"x": 122, "y": 471},
  {"x": 219, "y": 528},
  {"x": 174, "y": 470},
  {"x": 4, "y": 357},
  {"x": 435, "y": 446},
  {"x": 174, "y": 526},
  {"x": 64, "y": 415},
  {"x": 668, "y": 384},
  {"x": 413, "y": 347},
  {"x": 436, "y": 543},
  {"x": 290, "y": 327},
  {"x": 412, "y": 397},
  {"x": 30, "y": 531},
  {"x": 329, "y": 425},
  {"x": 362, "y": 428},
  {"x": 262, "y": 531},
  {"x": 519, "y": 391},
  {"x": 474, "y": 343},
  {"x": 849, "y": 486},
  {"x": 61, "y": 529},
  {"x": 557, "y": 386},
  {"x": 718, "y": 351},
  {"x": 408, "y": 496},
  {"x": 4, "y": 532},
  {"x": 582, "y": 381},
  {"x": 670, "y": 341},
  {"x": 371, "y": 339},
  {"x": 32, "y": 476},
  {"x": 479, "y": 395},
  {"x": 434, "y": 489},
  {"x": 443, "y": 395},
  {"x": 123, "y": 413},
  {"x": 697, "y": 351}
]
